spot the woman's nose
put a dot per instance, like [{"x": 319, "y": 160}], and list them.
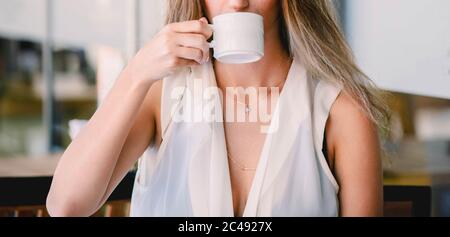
[{"x": 238, "y": 5}]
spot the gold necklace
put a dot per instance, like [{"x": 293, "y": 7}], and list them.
[
  {"x": 242, "y": 167},
  {"x": 249, "y": 108}
]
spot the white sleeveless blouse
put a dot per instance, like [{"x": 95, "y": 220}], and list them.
[{"x": 189, "y": 175}]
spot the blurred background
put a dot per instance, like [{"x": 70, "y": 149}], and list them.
[{"x": 58, "y": 58}]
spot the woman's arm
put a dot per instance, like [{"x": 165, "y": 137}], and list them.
[
  {"x": 86, "y": 167},
  {"x": 353, "y": 139},
  {"x": 124, "y": 125}
]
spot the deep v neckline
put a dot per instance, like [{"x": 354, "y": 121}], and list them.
[{"x": 256, "y": 182}]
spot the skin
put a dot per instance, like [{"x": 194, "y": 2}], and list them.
[{"x": 352, "y": 140}]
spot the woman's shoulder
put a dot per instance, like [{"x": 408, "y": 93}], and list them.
[
  {"x": 347, "y": 113},
  {"x": 349, "y": 128}
]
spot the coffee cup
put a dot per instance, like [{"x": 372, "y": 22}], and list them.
[{"x": 238, "y": 37}]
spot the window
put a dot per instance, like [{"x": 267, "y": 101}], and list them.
[{"x": 45, "y": 89}]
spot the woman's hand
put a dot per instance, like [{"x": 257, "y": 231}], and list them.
[{"x": 176, "y": 45}]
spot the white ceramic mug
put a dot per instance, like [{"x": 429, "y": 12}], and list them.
[{"x": 238, "y": 37}]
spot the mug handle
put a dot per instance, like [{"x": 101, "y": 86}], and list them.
[{"x": 212, "y": 43}]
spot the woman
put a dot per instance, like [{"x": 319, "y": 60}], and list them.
[{"x": 319, "y": 157}]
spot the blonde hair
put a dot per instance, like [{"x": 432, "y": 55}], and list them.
[{"x": 309, "y": 31}]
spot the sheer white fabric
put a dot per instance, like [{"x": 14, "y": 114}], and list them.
[{"x": 189, "y": 174}]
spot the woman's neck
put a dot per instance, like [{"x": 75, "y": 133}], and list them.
[{"x": 268, "y": 72}]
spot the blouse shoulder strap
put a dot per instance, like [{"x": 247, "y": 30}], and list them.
[
  {"x": 325, "y": 95},
  {"x": 173, "y": 89}
]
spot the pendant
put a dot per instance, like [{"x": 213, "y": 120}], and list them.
[{"x": 247, "y": 109}]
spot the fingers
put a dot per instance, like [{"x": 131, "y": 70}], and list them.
[
  {"x": 191, "y": 40},
  {"x": 194, "y": 41},
  {"x": 197, "y": 26},
  {"x": 186, "y": 62},
  {"x": 190, "y": 54}
]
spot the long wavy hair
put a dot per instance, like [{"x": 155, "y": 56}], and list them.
[{"x": 309, "y": 30}]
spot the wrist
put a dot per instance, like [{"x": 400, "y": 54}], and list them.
[{"x": 137, "y": 79}]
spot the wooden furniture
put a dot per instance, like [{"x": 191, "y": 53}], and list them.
[
  {"x": 25, "y": 182},
  {"x": 407, "y": 201}
]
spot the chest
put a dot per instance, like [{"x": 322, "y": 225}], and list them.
[
  {"x": 245, "y": 140},
  {"x": 244, "y": 145}
]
